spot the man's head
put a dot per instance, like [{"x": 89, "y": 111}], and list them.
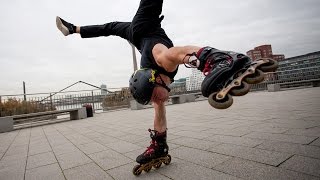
[{"x": 146, "y": 85}]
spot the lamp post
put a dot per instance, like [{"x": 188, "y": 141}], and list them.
[
  {"x": 134, "y": 57},
  {"x": 24, "y": 91}
]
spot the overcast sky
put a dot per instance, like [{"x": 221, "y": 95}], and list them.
[{"x": 34, "y": 51}]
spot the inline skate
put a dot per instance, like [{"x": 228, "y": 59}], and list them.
[
  {"x": 155, "y": 155},
  {"x": 230, "y": 74}
]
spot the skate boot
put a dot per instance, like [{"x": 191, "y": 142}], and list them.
[
  {"x": 65, "y": 27},
  {"x": 155, "y": 155},
  {"x": 230, "y": 74}
]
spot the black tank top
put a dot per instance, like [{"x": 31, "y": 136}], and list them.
[{"x": 147, "y": 59}]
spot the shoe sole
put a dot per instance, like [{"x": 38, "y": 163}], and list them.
[{"x": 61, "y": 27}]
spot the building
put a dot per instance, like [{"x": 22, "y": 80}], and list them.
[
  {"x": 178, "y": 86},
  {"x": 305, "y": 66},
  {"x": 193, "y": 82},
  {"x": 103, "y": 89},
  {"x": 264, "y": 51}
]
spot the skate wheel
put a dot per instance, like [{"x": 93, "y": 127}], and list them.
[
  {"x": 241, "y": 90},
  {"x": 271, "y": 66},
  {"x": 148, "y": 169},
  {"x": 136, "y": 170},
  {"x": 157, "y": 165},
  {"x": 255, "y": 78},
  {"x": 168, "y": 160},
  {"x": 220, "y": 104}
]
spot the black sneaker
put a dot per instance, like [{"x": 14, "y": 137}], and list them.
[{"x": 65, "y": 27}]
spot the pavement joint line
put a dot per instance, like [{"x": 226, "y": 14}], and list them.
[
  {"x": 84, "y": 154},
  {"x": 25, "y": 168},
  {"x": 243, "y": 158},
  {"x": 211, "y": 167},
  {"x": 285, "y": 160},
  {"x": 313, "y": 141},
  {"x": 299, "y": 172},
  {"x": 9, "y": 145},
  {"x": 53, "y": 152}
]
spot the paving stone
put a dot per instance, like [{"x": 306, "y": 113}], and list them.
[
  {"x": 305, "y": 132},
  {"x": 86, "y": 171},
  {"x": 92, "y": 148},
  {"x": 179, "y": 169},
  {"x": 65, "y": 149},
  {"x": 56, "y": 141},
  {"x": 41, "y": 160},
  {"x": 17, "y": 150},
  {"x": 125, "y": 172},
  {"x": 303, "y": 164},
  {"x": 197, "y": 135},
  {"x": 235, "y": 140},
  {"x": 252, "y": 170},
  {"x": 305, "y": 150},
  {"x": 115, "y": 133},
  {"x": 73, "y": 159},
  {"x": 80, "y": 140},
  {"x": 4, "y": 147},
  {"x": 132, "y": 138},
  {"x": 48, "y": 172},
  {"x": 281, "y": 137},
  {"x": 12, "y": 172},
  {"x": 228, "y": 132},
  {"x": 200, "y": 157},
  {"x": 123, "y": 146},
  {"x": 258, "y": 155},
  {"x": 265, "y": 127},
  {"x": 105, "y": 140},
  {"x": 194, "y": 143},
  {"x": 14, "y": 160},
  {"x": 109, "y": 159},
  {"x": 93, "y": 135},
  {"x": 39, "y": 149},
  {"x": 294, "y": 123}
]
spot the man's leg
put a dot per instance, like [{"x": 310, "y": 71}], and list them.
[
  {"x": 160, "y": 120},
  {"x": 121, "y": 29}
]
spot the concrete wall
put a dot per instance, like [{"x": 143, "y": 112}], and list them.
[
  {"x": 183, "y": 98},
  {"x": 6, "y": 124},
  {"x": 78, "y": 114}
]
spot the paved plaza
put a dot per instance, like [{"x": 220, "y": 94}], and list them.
[{"x": 264, "y": 135}]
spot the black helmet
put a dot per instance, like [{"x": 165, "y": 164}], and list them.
[{"x": 141, "y": 85}]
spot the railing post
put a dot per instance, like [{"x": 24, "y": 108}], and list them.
[
  {"x": 51, "y": 103},
  {"x": 92, "y": 100}
]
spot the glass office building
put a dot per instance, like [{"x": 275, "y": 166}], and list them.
[{"x": 304, "y": 67}]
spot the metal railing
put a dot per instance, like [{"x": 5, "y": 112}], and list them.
[
  {"x": 100, "y": 100},
  {"x": 16, "y": 104}
]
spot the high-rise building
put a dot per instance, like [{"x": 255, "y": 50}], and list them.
[
  {"x": 103, "y": 89},
  {"x": 194, "y": 81},
  {"x": 264, "y": 51}
]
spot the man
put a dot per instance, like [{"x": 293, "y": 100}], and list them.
[{"x": 159, "y": 64}]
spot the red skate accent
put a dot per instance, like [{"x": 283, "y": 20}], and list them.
[
  {"x": 150, "y": 150},
  {"x": 200, "y": 51},
  {"x": 211, "y": 62}
]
